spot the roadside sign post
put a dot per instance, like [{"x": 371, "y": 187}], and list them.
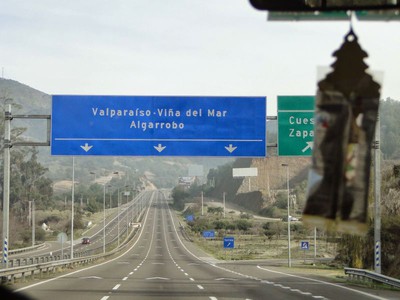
[
  {"x": 295, "y": 125},
  {"x": 305, "y": 245},
  {"x": 158, "y": 126},
  {"x": 229, "y": 243},
  {"x": 208, "y": 234}
]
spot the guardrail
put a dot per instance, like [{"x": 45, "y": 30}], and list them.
[
  {"x": 19, "y": 262},
  {"x": 11, "y": 274},
  {"x": 26, "y": 249},
  {"x": 45, "y": 265},
  {"x": 56, "y": 256},
  {"x": 365, "y": 275}
]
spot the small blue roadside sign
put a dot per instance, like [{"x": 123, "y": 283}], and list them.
[
  {"x": 229, "y": 242},
  {"x": 190, "y": 218},
  {"x": 158, "y": 125},
  {"x": 208, "y": 234},
  {"x": 305, "y": 245}
]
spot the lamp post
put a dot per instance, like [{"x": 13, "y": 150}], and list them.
[
  {"x": 72, "y": 207},
  {"x": 110, "y": 186},
  {"x": 223, "y": 200},
  {"x": 288, "y": 212},
  {"x": 118, "y": 215},
  {"x": 127, "y": 211},
  {"x": 104, "y": 218},
  {"x": 202, "y": 203},
  {"x": 93, "y": 173},
  {"x": 33, "y": 223}
]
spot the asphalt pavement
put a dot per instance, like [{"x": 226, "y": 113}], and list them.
[{"x": 160, "y": 264}]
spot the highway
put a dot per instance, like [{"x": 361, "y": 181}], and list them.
[
  {"x": 128, "y": 213},
  {"x": 160, "y": 264}
]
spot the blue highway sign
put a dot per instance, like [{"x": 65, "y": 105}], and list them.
[
  {"x": 190, "y": 218},
  {"x": 229, "y": 242},
  {"x": 305, "y": 245},
  {"x": 208, "y": 234},
  {"x": 158, "y": 126}
]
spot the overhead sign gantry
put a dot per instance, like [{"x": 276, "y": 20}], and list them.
[{"x": 158, "y": 126}]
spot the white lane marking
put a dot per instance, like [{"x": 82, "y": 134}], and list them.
[
  {"x": 191, "y": 279},
  {"x": 116, "y": 287},
  {"x": 130, "y": 273},
  {"x": 125, "y": 278},
  {"x": 94, "y": 266},
  {"x": 186, "y": 274},
  {"x": 105, "y": 298},
  {"x": 228, "y": 279},
  {"x": 200, "y": 287},
  {"x": 213, "y": 298},
  {"x": 323, "y": 282},
  {"x": 222, "y": 268}
]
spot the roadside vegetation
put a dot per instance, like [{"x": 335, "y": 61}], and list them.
[{"x": 257, "y": 238}]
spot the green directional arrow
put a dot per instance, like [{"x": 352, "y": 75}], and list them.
[{"x": 295, "y": 125}]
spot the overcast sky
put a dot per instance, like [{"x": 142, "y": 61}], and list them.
[{"x": 178, "y": 47}]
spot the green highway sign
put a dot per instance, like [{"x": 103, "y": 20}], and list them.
[
  {"x": 308, "y": 16},
  {"x": 379, "y": 15},
  {"x": 295, "y": 125},
  {"x": 362, "y": 15}
]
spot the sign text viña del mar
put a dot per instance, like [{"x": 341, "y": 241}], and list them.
[
  {"x": 158, "y": 125},
  {"x": 295, "y": 125}
]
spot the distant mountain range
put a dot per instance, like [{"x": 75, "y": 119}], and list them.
[{"x": 32, "y": 101}]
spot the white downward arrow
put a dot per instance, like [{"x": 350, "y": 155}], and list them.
[
  {"x": 230, "y": 148},
  {"x": 86, "y": 147},
  {"x": 309, "y": 146},
  {"x": 160, "y": 147}
]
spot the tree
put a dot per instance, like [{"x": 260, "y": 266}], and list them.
[
  {"x": 268, "y": 232},
  {"x": 243, "y": 225},
  {"x": 281, "y": 200},
  {"x": 218, "y": 225},
  {"x": 179, "y": 195}
]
